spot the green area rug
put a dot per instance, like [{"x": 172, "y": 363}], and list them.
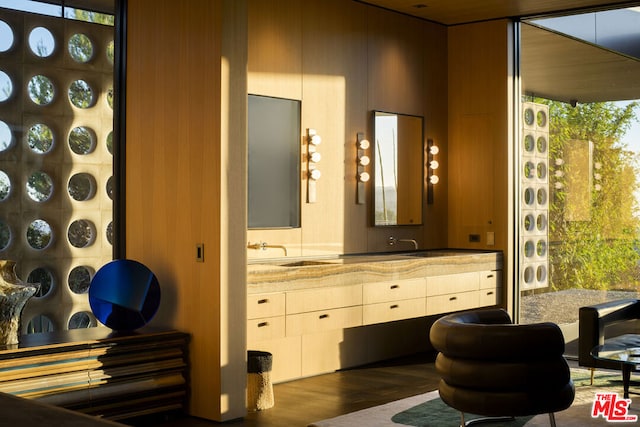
[{"x": 427, "y": 410}]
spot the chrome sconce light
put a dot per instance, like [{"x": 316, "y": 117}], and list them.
[
  {"x": 432, "y": 166},
  {"x": 313, "y": 157},
  {"x": 363, "y": 161}
]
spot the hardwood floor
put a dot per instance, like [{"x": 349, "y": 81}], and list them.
[{"x": 301, "y": 402}]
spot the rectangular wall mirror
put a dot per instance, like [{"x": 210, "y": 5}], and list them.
[
  {"x": 274, "y": 162},
  {"x": 398, "y": 169}
]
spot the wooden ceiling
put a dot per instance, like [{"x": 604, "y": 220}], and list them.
[
  {"x": 453, "y": 12},
  {"x": 552, "y": 65}
]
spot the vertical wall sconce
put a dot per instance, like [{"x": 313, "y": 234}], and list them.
[
  {"x": 313, "y": 157},
  {"x": 363, "y": 161},
  {"x": 432, "y": 166}
]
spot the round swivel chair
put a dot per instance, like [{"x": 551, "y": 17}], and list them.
[{"x": 494, "y": 368}]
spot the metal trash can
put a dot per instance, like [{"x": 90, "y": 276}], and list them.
[{"x": 259, "y": 386}]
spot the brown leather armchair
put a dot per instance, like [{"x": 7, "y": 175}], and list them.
[
  {"x": 616, "y": 322},
  {"x": 494, "y": 368}
]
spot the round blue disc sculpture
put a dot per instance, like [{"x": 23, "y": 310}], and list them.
[{"x": 124, "y": 295}]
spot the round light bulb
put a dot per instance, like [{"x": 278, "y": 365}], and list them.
[
  {"x": 315, "y": 174},
  {"x": 315, "y": 157},
  {"x": 364, "y": 144},
  {"x": 364, "y": 177},
  {"x": 433, "y": 164},
  {"x": 316, "y": 140},
  {"x": 434, "y": 149},
  {"x": 433, "y": 179},
  {"x": 364, "y": 160}
]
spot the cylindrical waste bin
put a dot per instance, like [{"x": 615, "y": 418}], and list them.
[{"x": 259, "y": 386}]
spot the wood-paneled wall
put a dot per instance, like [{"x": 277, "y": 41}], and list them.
[
  {"x": 343, "y": 60},
  {"x": 186, "y": 180}
]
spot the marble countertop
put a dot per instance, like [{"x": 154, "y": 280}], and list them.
[{"x": 279, "y": 275}]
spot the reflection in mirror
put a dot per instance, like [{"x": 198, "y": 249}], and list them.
[
  {"x": 398, "y": 169},
  {"x": 274, "y": 162}
]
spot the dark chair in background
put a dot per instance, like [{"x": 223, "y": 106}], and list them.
[
  {"x": 494, "y": 368},
  {"x": 616, "y": 322}
]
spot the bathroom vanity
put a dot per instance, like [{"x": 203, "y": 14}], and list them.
[{"x": 323, "y": 314}]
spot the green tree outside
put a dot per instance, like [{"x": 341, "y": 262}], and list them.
[{"x": 599, "y": 251}]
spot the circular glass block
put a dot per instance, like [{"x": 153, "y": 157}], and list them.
[
  {"x": 6, "y": 138},
  {"x": 81, "y": 94},
  {"x": 82, "y": 140},
  {"x": 541, "y": 118},
  {"x": 541, "y": 273},
  {"x": 110, "y": 143},
  {"x": 528, "y": 170},
  {"x": 5, "y": 186},
  {"x": 124, "y": 295},
  {"x": 39, "y": 234},
  {"x": 81, "y": 320},
  {"x": 6, "y": 86},
  {"x": 5, "y": 236},
  {"x": 109, "y": 187},
  {"x": 41, "y": 90},
  {"x": 529, "y": 275},
  {"x": 40, "y": 138},
  {"x": 110, "y": 98},
  {"x": 82, "y": 187},
  {"x": 39, "y": 324},
  {"x": 541, "y": 248},
  {"x": 529, "y": 249},
  {"x": 529, "y": 116},
  {"x": 109, "y": 233},
  {"x": 39, "y": 186},
  {"x": 529, "y": 222},
  {"x": 541, "y": 170},
  {"x": 111, "y": 49},
  {"x": 529, "y": 143},
  {"x": 541, "y": 222},
  {"x": 6, "y": 36},
  {"x": 542, "y": 196},
  {"x": 541, "y": 144},
  {"x": 80, "y": 279},
  {"x": 529, "y": 196},
  {"x": 80, "y": 48},
  {"x": 41, "y": 42},
  {"x": 43, "y": 277},
  {"x": 81, "y": 233}
]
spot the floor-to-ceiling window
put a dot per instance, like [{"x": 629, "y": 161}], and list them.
[
  {"x": 56, "y": 153},
  {"x": 579, "y": 221}
]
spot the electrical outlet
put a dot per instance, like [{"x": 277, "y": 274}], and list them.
[
  {"x": 199, "y": 252},
  {"x": 474, "y": 238}
]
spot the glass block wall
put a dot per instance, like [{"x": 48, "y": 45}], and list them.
[{"x": 56, "y": 123}]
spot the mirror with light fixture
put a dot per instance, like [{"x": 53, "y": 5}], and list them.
[{"x": 398, "y": 154}]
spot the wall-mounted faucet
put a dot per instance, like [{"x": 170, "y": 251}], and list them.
[
  {"x": 392, "y": 241},
  {"x": 265, "y": 245}
]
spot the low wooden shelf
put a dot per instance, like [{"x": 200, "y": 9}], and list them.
[{"x": 100, "y": 372}]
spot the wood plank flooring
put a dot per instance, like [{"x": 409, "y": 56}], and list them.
[{"x": 301, "y": 402}]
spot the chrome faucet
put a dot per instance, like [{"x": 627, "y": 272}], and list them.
[
  {"x": 265, "y": 245},
  {"x": 392, "y": 241}
]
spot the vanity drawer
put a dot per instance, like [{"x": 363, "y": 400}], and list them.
[
  {"x": 489, "y": 297},
  {"x": 323, "y": 298},
  {"x": 453, "y": 283},
  {"x": 267, "y": 328},
  {"x": 377, "y": 292},
  {"x": 325, "y": 320},
  {"x": 265, "y": 305},
  {"x": 453, "y": 302},
  {"x": 490, "y": 279},
  {"x": 393, "y": 310}
]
